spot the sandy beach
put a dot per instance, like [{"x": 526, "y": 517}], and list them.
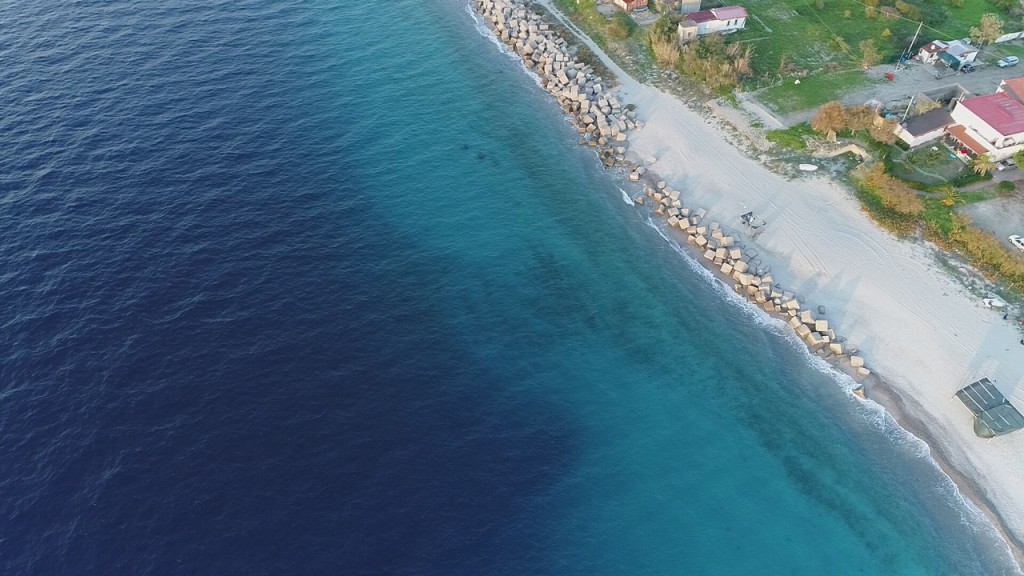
[{"x": 918, "y": 328}]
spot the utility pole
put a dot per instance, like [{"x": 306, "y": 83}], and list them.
[
  {"x": 906, "y": 53},
  {"x": 908, "y": 108}
]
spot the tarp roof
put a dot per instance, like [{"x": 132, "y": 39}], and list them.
[{"x": 995, "y": 415}]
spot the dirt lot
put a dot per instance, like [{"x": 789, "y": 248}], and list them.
[
  {"x": 1000, "y": 216},
  {"x": 914, "y": 78}
]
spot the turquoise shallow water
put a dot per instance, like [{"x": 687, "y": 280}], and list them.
[
  {"x": 319, "y": 287},
  {"x": 702, "y": 440}
]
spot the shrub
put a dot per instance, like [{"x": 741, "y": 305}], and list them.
[
  {"x": 831, "y": 117},
  {"x": 894, "y": 194},
  {"x": 1005, "y": 186},
  {"x": 713, "y": 62}
]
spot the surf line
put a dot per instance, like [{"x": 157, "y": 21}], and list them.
[{"x": 604, "y": 124}]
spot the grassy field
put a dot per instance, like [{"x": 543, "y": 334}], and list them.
[
  {"x": 794, "y": 36},
  {"x": 813, "y": 91}
]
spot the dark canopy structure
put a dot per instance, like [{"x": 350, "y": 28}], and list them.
[{"x": 993, "y": 413}]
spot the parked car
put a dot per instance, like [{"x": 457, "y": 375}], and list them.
[
  {"x": 967, "y": 68},
  {"x": 1008, "y": 61},
  {"x": 1017, "y": 241}
]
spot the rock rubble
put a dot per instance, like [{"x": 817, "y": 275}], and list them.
[{"x": 604, "y": 123}]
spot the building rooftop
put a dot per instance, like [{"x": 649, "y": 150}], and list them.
[
  {"x": 959, "y": 49},
  {"x": 1014, "y": 87},
  {"x": 730, "y": 12},
  {"x": 994, "y": 415},
  {"x": 999, "y": 110},
  {"x": 929, "y": 121},
  {"x": 726, "y": 13},
  {"x": 960, "y": 133}
]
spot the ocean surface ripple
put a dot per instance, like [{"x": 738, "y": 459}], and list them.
[{"x": 327, "y": 288}]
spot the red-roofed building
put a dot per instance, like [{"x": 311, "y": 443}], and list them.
[
  {"x": 716, "y": 20},
  {"x": 1014, "y": 87},
  {"x": 992, "y": 124}
]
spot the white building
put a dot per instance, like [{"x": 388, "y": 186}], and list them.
[
  {"x": 992, "y": 124},
  {"x": 716, "y": 20}
]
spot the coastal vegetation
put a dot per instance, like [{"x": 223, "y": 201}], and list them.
[
  {"x": 855, "y": 120},
  {"x": 897, "y": 207}
]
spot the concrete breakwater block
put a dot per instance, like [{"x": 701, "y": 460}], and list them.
[
  {"x": 807, "y": 317},
  {"x": 856, "y": 361}
]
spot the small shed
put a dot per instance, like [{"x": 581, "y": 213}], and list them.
[
  {"x": 993, "y": 413},
  {"x": 631, "y": 5}
]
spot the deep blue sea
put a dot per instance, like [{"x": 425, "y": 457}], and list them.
[{"x": 327, "y": 287}]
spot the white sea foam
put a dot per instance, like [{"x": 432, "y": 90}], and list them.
[
  {"x": 869, "y": 412},
  {"x": 481, "y": 26},
  {"x": 625, "y": 197}
]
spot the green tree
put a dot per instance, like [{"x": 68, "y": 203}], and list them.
[
  {"x": 982, "y": 164},
  {"x": 1018, "y": 159},
  {"x": 986, "y": 32}
]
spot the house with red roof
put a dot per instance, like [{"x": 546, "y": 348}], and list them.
[
  {"x": 992, "y": 124},
  {"x": 1014, "y": 87},
  {"x": 714, "y": 21}
]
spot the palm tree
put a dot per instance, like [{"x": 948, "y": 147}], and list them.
[
  {"x": 950, "y": 196},
  {"x": 982, "y": 164}
]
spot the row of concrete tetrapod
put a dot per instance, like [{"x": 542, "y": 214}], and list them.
[
  {"x": 603, "y": 123},
  {"x": 750, "y": 279},
  {"x": 600, "y": 119}
]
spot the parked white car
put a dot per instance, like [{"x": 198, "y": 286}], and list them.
[
  {"x": 1007, "y": 61},
  {"x": 1017, "y": 241}
]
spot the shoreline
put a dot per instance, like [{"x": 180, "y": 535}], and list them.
[{"x": 665, "y": 132}]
